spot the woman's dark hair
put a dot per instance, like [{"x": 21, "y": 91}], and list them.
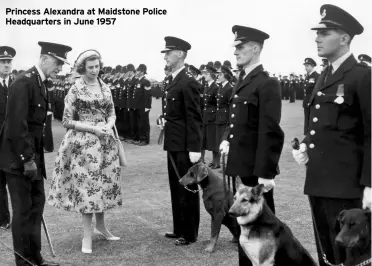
[{"x": 80, "y": 68}]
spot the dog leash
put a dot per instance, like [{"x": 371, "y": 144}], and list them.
[
  {"x": 179, "y": 177},
  {"x": 15, "y": 252}
]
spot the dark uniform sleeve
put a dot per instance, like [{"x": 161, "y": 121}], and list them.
[
  {"x": 193, "y": 116},
  {"x": 364, "y": 95},
  {"x": 270, "y": 135},
  {"x": 18, "y": 111},
  {"x": 147, "y": 93}
]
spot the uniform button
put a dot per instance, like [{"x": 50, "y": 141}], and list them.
[
  {"x": 205, "y": 109},
  {"x": 312, "y": 132},
  {"x": 232, "y": 115},
  {"x": 315, "y": 119},
  {"x": 236, "y": 96},
  {"x": 308, "y": 104},
  {"x": 245, "y": 102},
  {"x": 165, "y": 113},
  {"x": 311, "y": 146},
  {"x": 317, "y": 106},
  {"x": 38, "y": 105},
  {"x": 319, "y": 93},
  {"x": 231, "y": 126},
  {"x": 234, "y": 105},
  {"x": 231, "y": 136},
  {"x": 218, "y": 108}
]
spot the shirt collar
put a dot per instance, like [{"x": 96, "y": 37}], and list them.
[
  {"x": 224, "y": 84},
  {"x": 210, "y": 83},
  {"x": 175, "y": 73},
  {"x": 311, "y": 72},
  {"x": 336, "y": 64},
  {"x": 6, "y": 80},
  {"x": 42, "y": 76},
  {"x": 249, "y": 68}
]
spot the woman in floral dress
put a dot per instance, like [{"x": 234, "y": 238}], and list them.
[{"x": 86, "y": 177}]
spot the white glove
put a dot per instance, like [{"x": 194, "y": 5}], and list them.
[
  {"x": 147, "y": 109},
  {"x": 224, "y": 147},
  {"x": 300, "y": 155},
  {"x": 268, "y": 183},
  {"x": 162, "y": 124},
  {"x": 367, "y": 201},
  {"x": 194, "y": 156}
]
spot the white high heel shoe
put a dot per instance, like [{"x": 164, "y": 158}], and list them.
[
  {"x": 110, "y": 238},
  {"x": 85, "y": 250}
]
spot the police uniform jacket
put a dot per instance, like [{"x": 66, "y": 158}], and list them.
[
  {"x": 183, "y": 127},
  {"x": 164, "y": 98},
  {"x": 142, "y": 94},
  {"x": 124, "y": 93},
  {"x": 309, "y": 85},
  {"x": 4, "y": 100},
  {"x": 255, "y": 137},
  {"x": 21, "y": 137},
  {"x": 130, "y": 90},
  {"x": 339, "y": 136},
  {"x": 223, "y": 98},
  {"x": 210, "y": 103}
]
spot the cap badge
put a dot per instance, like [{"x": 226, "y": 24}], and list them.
[
  {"x": 324, "y": 14},
  {"x": 5, "y": 53},
  {"x": 236, "y": 35}
]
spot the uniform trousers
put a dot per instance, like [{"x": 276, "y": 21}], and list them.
[
  {"x": 28, "y": 199},
  {"x": 326, "y": 211},
  {"x": 141, "y": 125},
  {"x": 185, "y": 204},
  {"x": 4, "y": 209},
  {"x": 252, "y": 181},
  {"x": 126, "y": 123}
]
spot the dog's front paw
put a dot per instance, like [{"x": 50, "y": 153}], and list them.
[{"x": 209, "y": 248}]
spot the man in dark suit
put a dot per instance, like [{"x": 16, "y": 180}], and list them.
[
  {"x": 311, "y": 78},
  {"x": 253, "y": 140},
  {"x": 6, "y": 57},
  {"x": 182, "y": 140},
  {"x": 22, "y": 151},
  {"x": 337, "y": 146}
]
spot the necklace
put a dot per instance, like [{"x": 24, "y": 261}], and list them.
[{"x": 91, "y": 84}]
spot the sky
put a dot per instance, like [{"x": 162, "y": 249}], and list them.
[{"x": 205, "y": 24}]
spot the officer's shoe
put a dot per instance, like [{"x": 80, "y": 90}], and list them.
[{"x": 5, "y": 226}]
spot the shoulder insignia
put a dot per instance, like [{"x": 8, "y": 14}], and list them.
[{"x": 28, "y": 75}]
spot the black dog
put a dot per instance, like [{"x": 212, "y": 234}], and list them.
[{"x": 355, "y": 235}]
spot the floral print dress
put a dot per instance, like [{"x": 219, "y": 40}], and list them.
[{"x": 86, "y": 176}]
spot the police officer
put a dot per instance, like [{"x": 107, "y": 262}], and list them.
[
  {"x": 222, "y": 113},
  {"x": 292, "y": 88},
  {"x": 255, "y": 111},
  {"x": 311, "y": 78},
  {"x": 285, "y": 87},
  {"x": 182, "y": 140},
  {"x": 6, "y": 58},
  {"x": 125, "y": 133},
  {"x": 21, "y": 150},
  {"x": 209, "y": 115},
  {"x": 301, "y": 81},
  {"x": 142, "y": 104},
  {"x": 131, "y": 84},
  {"x": 337, "y": 146},
  {"x": 365, "y": 59}
]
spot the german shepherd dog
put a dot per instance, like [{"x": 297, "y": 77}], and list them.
[
  {"x": 354, "y": 227},
  {"x": 217, "y": 201},
  {"x": 264, "y": 238}
]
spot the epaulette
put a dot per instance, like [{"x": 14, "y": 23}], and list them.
[
  {"x": 189, "y": 75},
  {"x": 28, "y": 75}
]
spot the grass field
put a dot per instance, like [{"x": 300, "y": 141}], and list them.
[{"x": 146, "y": 213}]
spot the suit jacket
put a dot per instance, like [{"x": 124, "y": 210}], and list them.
[
  {"x": 21, "y": 136},
  {"x": 223, "y": 100},
  {"x": 4, "y": 100},
  {"x": 339, "y": 136},
  {"x": 210, "y": 103},
  {"x": 141, "y": 96},
  {"x": 255, "y": 137},
  {"x": 183, "y": 129},
  {"x": 309, "y": 85}
]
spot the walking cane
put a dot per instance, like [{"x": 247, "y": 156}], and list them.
[{"x": 48, "y": 237}]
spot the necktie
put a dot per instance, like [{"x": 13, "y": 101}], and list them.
[
  {"x": 4, "y": 85},
  {"x": 240, "y": 79},
  {"x": 328, "y": 74}
]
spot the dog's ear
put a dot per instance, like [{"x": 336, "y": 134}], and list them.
[
  {"x": 257, "y": 191},
  {"x": 238, "y": 183},
  {"x": 201, "y": 172}
]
